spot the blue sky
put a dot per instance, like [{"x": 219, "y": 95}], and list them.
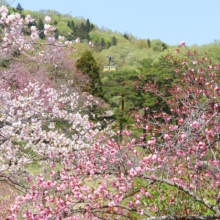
[{"x": 194, "y": 21}]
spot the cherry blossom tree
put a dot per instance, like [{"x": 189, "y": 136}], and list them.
[{"x": 34, "y": 107}]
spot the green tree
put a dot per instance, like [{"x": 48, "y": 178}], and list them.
[
  {"x": 126, "y": 36},
  {"x": 19, "y": 8},
  {"x": 142, "y": 44},
  {"x": 114, "y": 41},
  {"x": 164, "y": 46},
  {"x": 121, "y": 82},
  {"x": 102, "y": 44},
  {"x": 82, "y": 32},
  {"x": 55, "y": 22},
  {"x": 161, "y": 73},
  {"x": 92, "y": 26},
  {"x": 57, "y": 33},
  {"x": 87, "y": 64},
  {"x": 73, "y": 26},
  {"x": 40, "y": 26},
  {"x": 108, "y": 44},
  {"x": 148, "y": 43},
  {"x": 74, "y": 29},
  {"x": 156, "y": 45},
  {"x": 87, "y": 25},
  {"x": 122, "y": 96},
  {"x": 68, "y": 24}
]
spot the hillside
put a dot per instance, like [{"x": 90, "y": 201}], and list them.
[{"x": 126, "y": 49}]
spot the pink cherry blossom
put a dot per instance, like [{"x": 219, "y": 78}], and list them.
[
  {"x": 47, "y": 19},
  {"x": 47, "y": 27},
  {"x": 152, "y": 141},
  {"x": 195, "y": 62},
  {"x": 77, "y": 40},
  {"x": 195, "y": 124},
  {"x": 166, "y": 136},
  {"x": 182, "y": 43},
  {"x": 3, "y": 10}
]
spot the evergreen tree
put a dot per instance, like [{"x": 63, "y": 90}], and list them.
[
  {"x": 118, "y": 83},
  {"x": 122, "y": 96},
  {"x": 97, "y": 46},
  {"x": 126, "y": 36},
  {"x": 87, "y": 27},
  {"x": 114, "y": 41},
  {"x": 68, "y": 24},
  {"x": 74, "y": 29},
  {"x": 81, "y": 31},
  {"x": 57, "y": 33},
  {"x": 92, "y": 26},
  {"x": 102, "y": 44},
  {"x": 73, "y": 26},
  {"x": 108, "y": 44},
  {"x": 55, "y": 23},
  {"x": 87, "y": 64},
  {"x": 40, "y": 26},
  {"x": 160, "y": 73},
  {"x": 164, "y": 46},
  {"x": 148, "y": 43},
  {"x": 19, "y": 8}
]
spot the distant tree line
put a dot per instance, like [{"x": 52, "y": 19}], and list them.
[
  {"x": 19, "y": 8},
  {"x": 81, "y": 30},
  {"x": 105, "y": 44}
]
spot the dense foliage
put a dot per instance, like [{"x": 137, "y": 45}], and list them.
[{"x": 88, "y": 66}]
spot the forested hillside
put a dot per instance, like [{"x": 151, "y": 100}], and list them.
[
  {"x": 76, "y": 142},
  {"x": 127, "y": 49},
  {"x": 124, "y": 47}
]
